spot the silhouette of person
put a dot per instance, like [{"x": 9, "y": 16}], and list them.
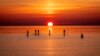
[
  {"x": 38, "y": 32},
  {"x": 82, "y": 36},
  {"x": 27, "y": 33},
  {"x": 64, "y": 32},
  {"x": 49, "y": 33},
  {"x": 35, "y": 32}
]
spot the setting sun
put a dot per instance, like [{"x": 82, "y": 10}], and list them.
[{"x": 50, "y": 24}]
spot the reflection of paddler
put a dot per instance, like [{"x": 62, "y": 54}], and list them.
[
  {"x": 38, "y": 32},
  {"x": 35, "y": 32},
  {"x": 64, "y": 32},
  {"x": 49, "y": 33},
  {"x": 82, "y": 36},
  {"x": 27, "y": 33}
]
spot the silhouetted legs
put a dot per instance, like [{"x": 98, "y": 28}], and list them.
[
  {"x": 82, "y": 36},
  {"x": 35, "y": 32},
  {"x": 49, "y": 33},
  {"x": 38, "y": 32},
  {"x": 64, "y": 32}
]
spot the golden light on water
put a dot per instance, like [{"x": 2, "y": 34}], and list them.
[{"x": 50, "y": 24}]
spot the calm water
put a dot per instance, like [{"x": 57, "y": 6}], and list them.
[{"x": 14, "y": 41}]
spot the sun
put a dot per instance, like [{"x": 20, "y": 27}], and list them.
[{"x": 50, "y": 24}]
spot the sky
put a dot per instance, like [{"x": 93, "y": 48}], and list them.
[{"x": 39, "y": 12}]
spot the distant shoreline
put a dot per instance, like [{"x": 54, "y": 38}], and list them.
[{"x": 46, "y": 25}]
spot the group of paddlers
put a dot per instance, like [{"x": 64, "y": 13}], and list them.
[{"x": 37, "y": 33}]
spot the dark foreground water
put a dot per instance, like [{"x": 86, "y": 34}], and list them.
[{"x": 14, "y": 41}]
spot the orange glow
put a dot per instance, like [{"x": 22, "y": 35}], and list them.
[
  {"x": 47, "y": 6},
  {"x": 50, "y": 24}
]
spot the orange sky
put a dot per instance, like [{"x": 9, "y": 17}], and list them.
[
  {"x": 45, "y": 6},
  {"x": 59, "y": 9}
]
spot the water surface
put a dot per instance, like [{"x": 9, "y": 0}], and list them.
[{"x": 14, "y": 41}]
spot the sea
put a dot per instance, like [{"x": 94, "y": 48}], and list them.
[{"x": 49, "y": 40}]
